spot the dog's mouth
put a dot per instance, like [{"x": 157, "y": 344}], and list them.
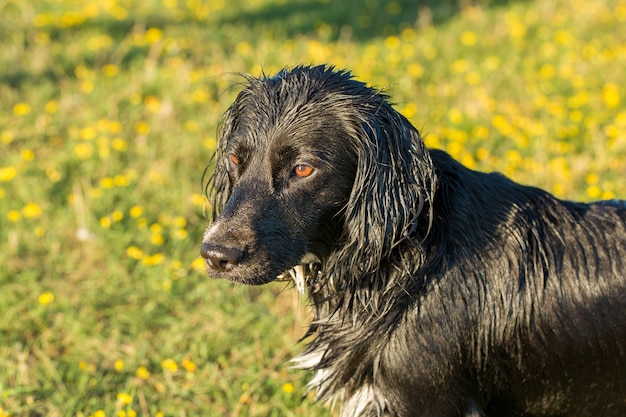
[{"x": 309, "y": 268}]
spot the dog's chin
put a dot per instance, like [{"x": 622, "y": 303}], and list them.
[
  {"x": 244, "y": 275},
  {"x": 308, "y": 268}
]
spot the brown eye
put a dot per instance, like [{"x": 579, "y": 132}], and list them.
[
  {"x": 234, "y": 159},
  {"x": 303, "y": 171}
]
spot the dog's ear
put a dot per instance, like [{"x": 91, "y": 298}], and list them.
[
  {"x": 218, "y": 186},
  {"x": 391, "y": 200}
]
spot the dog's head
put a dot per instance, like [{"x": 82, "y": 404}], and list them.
[{"x": 312, "y": 164}]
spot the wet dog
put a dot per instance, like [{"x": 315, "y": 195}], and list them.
[{"x": 436, "y": 290}]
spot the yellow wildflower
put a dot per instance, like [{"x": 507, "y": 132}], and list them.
[
  {"x": 142, "y": 372},
  {"x": 124, "y": 398},
  {"x": 7, "y": 173},
  {"x": 46, "y": 298},
  {"x": 170, "y": 365},
  {"x": 31, "y": 211},
  {"x": 21, "y": 109}
]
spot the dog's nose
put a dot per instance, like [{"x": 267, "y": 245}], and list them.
[{"x": 220, "y": 258}]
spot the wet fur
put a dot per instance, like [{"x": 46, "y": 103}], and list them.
[{"x": 442, "y": 291}]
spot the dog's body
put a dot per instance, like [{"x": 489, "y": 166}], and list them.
[{"x": 436, "y": 290}]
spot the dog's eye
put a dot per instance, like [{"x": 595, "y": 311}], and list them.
[
  {"x": 233, "y": 158},
  {"x": 303, "y": 171}
]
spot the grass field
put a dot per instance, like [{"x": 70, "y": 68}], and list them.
[{"x": 108, "y": 113}]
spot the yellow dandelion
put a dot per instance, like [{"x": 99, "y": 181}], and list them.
[
  {"x": 6, "y": 137},
  {"x": 179, "y": 221},
  {"x": 576, "y": 116},
  {"x": 121, "y": 181},
  {"x": 142, "y": 372},
  {"x": 392, "y": 42},
  {"x": 110, "y": 70},
  {"x": 7, "y": 173},
  {"x": 153, "y": 104},
  {"x": 105, "y": 222},
  {"x": 188, "y": 365},
  {"x": 117, "y": 216},
  {"x": 472, "y": 78},
  {"x": 87, "y": 86},
  {"x": 191, "y": 126},
  {"x": 197, "y": 199},
  {"x": 119, "y": 12},
  {"x": 199, "y": 96},
  {"x": 153, "y": 260},
  {"x": 31, "y": 211},
  {"x": 210, "y": 143},
  {"x": 460, "y": 66},
  {"x": 27, "y": 155},
  {"x": 153, "y": 35},
  {"x": 142, "y": 128},
  {"x": 415, "y": 70},
  {"x": 157, "y": 239},
  {"x": 83, "y": 150},
  {"x": 480, "y": 132},
  {"x": 469, "y": 38},
  {"x": 99, "y": 413},
  {"x": 134, "y": 252},
  {"x": 39, "y": 231},
  {"x": 21, "y": 109},
  {"x": 14, "y": 216},
  {"x": 46, "y": 298},
  {"x": 124, "y": 398},
  {"x": 169, "y": 365},
  {"x": 563, "y": 37},
  {"x": 199, "y": 265},
  {"x": 52, "y": 106},
  {"x": 455, "y": 115},
  {"x": 288, "y": 388},
  {"x": 482, "y": 154},
  {"x": 87, "y": 133},
  {"x": 592, "y": 178},
  {"x": 611, "y": 95},
  {"x": 118, "y": 365},
  {"x": 135, "y": 211},
  {"x": 607, "y": 195},
  {"x": 547, "y": 71},
  {"x": 243, "y": 48},
  {"x": 119, "y": 144},
  {"x": 107, "y": 182},
  {"x": 41, "y": 20},
  {"x": 594, "y": 192}
]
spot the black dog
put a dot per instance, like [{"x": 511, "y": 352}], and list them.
[{"x": 436, "y": 290}]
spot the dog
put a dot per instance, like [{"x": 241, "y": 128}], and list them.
[{"x": 436, "y": 290}]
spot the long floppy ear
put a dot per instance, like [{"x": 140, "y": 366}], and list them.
[
  {"x": 391, "y": 200},
  {"x": 218, "y": 186}
]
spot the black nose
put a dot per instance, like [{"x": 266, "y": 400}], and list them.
[{"x": 220, "y": 258}]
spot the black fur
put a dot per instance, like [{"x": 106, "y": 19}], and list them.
[{"x": 441, "y": 291}]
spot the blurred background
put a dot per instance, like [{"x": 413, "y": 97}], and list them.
[{"x": 108, "y": 115}]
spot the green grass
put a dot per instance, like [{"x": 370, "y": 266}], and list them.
[{"x": 108, "y": 113}]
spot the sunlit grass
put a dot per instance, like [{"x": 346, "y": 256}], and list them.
[{"x": 108, "y": 115}]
